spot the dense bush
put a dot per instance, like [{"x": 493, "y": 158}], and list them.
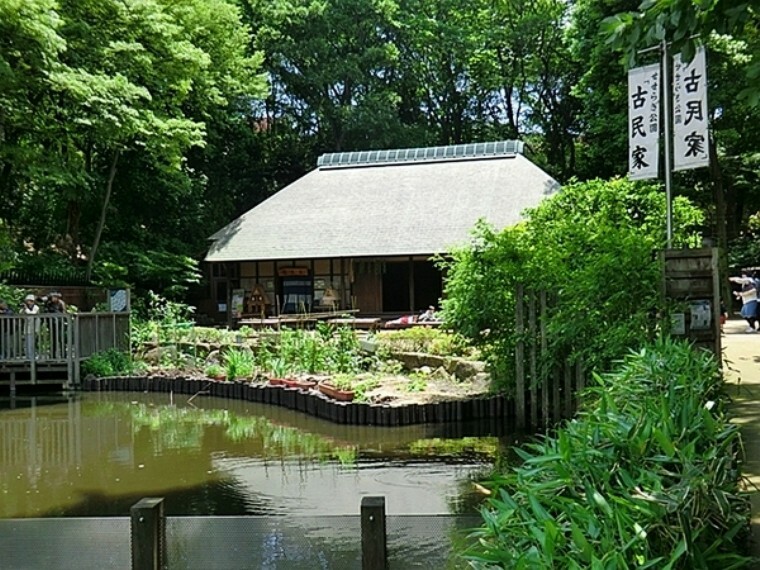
[
  {"x": 591, "y": 248},
  {"x": 426, "y": 339},
  {"x": 646, "y": 476},
  {"x": 12, "y": 295},
  {"x": 111, "y": 362}
]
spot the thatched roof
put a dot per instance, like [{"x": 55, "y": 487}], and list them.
[{"x": 397, "y": 204}]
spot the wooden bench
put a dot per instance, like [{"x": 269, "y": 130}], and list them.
[{"x": 365, "y": 323}]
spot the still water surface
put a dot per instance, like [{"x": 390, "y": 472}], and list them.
[{"x": 96, "y": 454}]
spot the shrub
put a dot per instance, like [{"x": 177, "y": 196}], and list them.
[
  {"x": 645, "y": 477},
  {"x": 110, "y": 362},
  {"x": 12, "y": 295},
  {"x": 425, "y": 339},
  {"x": 590, "y": 248},
  {"x": 239, "y": 363}
]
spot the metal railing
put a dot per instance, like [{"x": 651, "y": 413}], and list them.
[{"x": 149, "y": 540}]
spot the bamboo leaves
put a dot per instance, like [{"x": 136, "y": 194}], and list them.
[{"x": 646, "y": 477}]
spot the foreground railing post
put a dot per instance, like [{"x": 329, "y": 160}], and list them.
[
  {"x": 148, "y": 524},
  {"x": 374, "y": 550}
]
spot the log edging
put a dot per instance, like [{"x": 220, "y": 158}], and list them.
[{"x": 314, "y": 403}]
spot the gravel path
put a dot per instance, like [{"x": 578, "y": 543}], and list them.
[{"x": 742, "y": 364}]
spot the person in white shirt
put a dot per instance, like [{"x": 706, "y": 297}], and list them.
[
  {"x": 32, "y": 326},
  {"x": 748, "y": 295}
]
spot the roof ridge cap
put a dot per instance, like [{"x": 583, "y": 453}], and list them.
[{"x": 422, "y": 154}]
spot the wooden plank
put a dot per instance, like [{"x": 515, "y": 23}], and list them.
[
  {"x": 520, "y": 357},
  {"x": 357, "y": 323},
  {"x": 533, "y": 358},
  {"x": 545, "y": 376},
  {"x": 718, "y": 351},
  {"x": 374, "y": 542},
  {"x": 148, "y": 526}
]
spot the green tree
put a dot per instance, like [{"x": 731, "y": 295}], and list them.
[
  {"x": 591, "y": 248},
  {"x": 684, "y": 23},
  {"x": 328, "y": 62},
  {"x": 104, "y": 92}
]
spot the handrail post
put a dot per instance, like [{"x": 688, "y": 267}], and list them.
[
  {"x": 374, "y": 540},
  {"x": 76, "y": 349},
  {"x": 148, "y": 526}
]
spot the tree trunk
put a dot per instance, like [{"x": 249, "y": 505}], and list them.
[
  {"x": 103, "y": 211},
  {"x": 73, "y": 216}
]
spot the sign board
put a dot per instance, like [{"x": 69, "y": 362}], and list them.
[
  {"x": 690, "y": 137},
  {"x": 236, "y": 302},
  {"x": 692, "y": 289},
  {"x": 118, "y": 300},
  {"x": 293, "y": 271},
  {"x": 643, "y": 122}
]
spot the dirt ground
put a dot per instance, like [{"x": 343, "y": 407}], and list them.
[
  {"x": 426, "y": 389},
  {"x": 742, "y": 364}
]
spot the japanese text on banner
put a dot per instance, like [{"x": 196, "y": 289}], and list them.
[
  {"x": 643, "y": 121},
  {"x": 690, "y": 136}
]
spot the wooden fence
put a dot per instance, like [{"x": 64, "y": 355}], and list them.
[
  {"x": 57, "y": 343},
  {"x": 545, "y": 391}
]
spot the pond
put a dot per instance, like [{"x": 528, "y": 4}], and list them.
[{"x": 96, "y": 454}]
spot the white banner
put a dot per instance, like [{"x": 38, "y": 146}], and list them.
[
  {"x": 643, "y": 121},
  {"x": 690, "y": 137}
]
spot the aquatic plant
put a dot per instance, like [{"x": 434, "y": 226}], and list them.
[{"x": 111, "y": 362}]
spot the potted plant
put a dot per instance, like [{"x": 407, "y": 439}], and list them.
[
  {"x": 303, "y": 383},
  {"x": 240, "y": 363},
  {"x": 279, "y": 370},
  {"x": 215, "y": 371},
  {"x": 338, "y": 388}
]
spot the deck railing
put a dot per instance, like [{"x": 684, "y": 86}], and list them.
[
  {"x": 31, "y": 342},
  {"x": 150, "y": 540}
]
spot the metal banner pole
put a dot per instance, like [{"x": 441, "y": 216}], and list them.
[{"x": 666, "y": 90}]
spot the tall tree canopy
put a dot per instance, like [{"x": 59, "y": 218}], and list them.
[
  {"x": 97, "y": 88},
  {"x": 130, "y": 130}
]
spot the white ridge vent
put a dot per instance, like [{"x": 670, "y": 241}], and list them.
[{"x": 423, "y": 154}]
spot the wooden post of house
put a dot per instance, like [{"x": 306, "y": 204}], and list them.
[
  {"x": 374, "y": 543},
  {"x": 411, "y": 285}
]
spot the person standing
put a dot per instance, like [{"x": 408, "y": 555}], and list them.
[
  {"x": 748, "y": 295},
  {"x": 55, "y": 305},
  {"x": 4, "y": 308},
  {"x": 30, "y": 309},
  {"x": 6, "y": 333}
]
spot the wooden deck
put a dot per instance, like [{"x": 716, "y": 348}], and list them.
[{"x": 49, "y": 348}]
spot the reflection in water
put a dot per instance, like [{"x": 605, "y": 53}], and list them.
[{"x": 99, "y": 453}]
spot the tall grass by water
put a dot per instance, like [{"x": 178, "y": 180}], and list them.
[{"x": 646, "y": 476}]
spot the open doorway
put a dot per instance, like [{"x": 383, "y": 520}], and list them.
[
  {"x": 396, "y": 287},
  {"x": 296, "y": 294},
  {"x": 428, "y": 285}
]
